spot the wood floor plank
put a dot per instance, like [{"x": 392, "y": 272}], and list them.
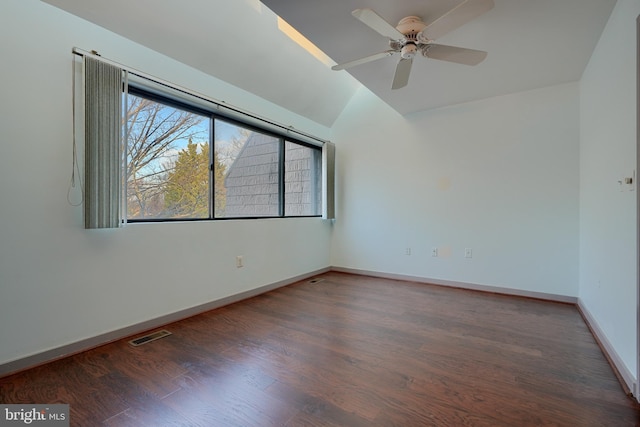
[{"x": 348, "y": 350}]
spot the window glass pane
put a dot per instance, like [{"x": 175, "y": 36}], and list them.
[
  {"x": 167, "y": 161},
  {"x": 302, "y": 180},
  {"x": 246, "y": 172}
]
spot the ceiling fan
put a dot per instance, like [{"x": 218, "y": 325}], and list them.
[{"x": 411, "y": 36}]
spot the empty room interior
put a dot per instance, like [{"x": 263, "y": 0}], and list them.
[{"x": 472, "y": 197}]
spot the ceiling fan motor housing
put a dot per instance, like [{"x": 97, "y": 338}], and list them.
[{"x": 411, "y": 27}]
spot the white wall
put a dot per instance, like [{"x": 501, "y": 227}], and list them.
[
  {"x": 60, "y": 283},
  {"x": 499, "y": 176},
  {"x": 608, "y": 230}
]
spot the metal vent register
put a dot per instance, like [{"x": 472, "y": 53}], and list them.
[{"x": 150, "y": 337}]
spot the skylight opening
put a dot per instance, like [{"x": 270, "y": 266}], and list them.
[{"x": 303, "y": 42}]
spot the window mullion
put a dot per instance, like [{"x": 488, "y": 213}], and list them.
[
  {"x": 281, "y": 172},
  {"x": 212, "y": 174}
]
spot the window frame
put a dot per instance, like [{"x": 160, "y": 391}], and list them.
[{"x": 197, "y": 108}]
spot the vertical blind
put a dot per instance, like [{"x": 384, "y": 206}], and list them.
[
  {"x": 328, "y": 172},
  {"x": 103, "y": 114}
]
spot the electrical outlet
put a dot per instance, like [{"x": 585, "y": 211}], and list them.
[
  {"x": 627, "y": 183},
  {"x": 407, "y": 251},
  {"x": 434, "y": 252},
  {"x": 468, "y": 253},
  {"x": 239, "y": 261}
]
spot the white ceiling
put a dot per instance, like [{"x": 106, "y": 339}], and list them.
[{"x": 531, "y": 44}]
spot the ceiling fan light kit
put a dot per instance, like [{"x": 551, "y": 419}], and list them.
[
  {"x": 412, "y": 35},
  {"x": 408, "y": 51}
]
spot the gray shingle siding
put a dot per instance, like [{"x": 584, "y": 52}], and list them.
[{"x": 252, "y": 179}]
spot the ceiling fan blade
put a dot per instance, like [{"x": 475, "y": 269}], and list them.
[
  {"x": 363, "y": 60},
  {"x": 459, "y": 55},
  {"x": 457, "y": 17},
  {"x": 375, "y": 22},
  {"x": 403, "y": 69}
]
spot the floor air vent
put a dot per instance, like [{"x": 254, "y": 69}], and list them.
[
  {"x": 150, "y": 337},
  {"x": 315, "y": 280}
]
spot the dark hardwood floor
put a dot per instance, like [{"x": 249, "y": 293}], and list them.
[{"x": 347, "y": 351}]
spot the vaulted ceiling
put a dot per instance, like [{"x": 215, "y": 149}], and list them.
[
  {"x": 237, "y": 41},
  {"x": 530, "y": 44}
]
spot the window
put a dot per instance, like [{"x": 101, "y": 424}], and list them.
[
  {"x": 302, "y": 180},
  {"x": 167, "y": 161},
  {"x": 250, "y": 171},
  {"x": 187, "y": 163}
]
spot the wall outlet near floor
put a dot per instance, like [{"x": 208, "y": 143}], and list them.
[
  {"x": 468, "y": 253},
  {"x": 434, "y": 252},
  {"x": 628, "y": 183},
  {"x": 239, "y": 261},
  {"x": 407, "y": 251}
]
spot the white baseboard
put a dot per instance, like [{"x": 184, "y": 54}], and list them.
[
  {"x": 462, "y": 285},
  {"x": 93, "y": 342},
  {"x": 629, "y": 382}
]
